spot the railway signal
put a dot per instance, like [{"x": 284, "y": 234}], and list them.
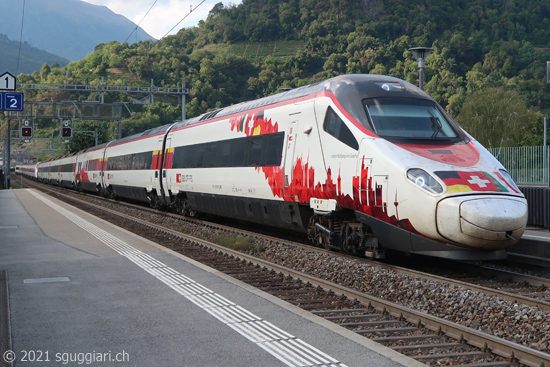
[
  {"x": 67, "y": 132},
  {"x": 26, "y": 132}
]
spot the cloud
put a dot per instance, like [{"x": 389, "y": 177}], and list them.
[{"x": 163, "y": 16}]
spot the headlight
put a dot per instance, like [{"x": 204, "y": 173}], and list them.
[{"x": 424, "y": 180}]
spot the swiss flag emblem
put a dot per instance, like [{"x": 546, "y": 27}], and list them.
[{"x": 178, "y": 178}]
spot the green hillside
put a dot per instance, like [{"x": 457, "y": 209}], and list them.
[
  {"x": 31, "y": 58},
  {"x": 489, "y": 48}
]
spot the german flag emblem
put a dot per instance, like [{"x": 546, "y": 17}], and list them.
[{"x": 461, "y": 181}]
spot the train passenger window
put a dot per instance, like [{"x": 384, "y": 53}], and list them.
[
  {"x": 195, "y": 156},
  {"x": 188, "y": 157},
  {"x": 258, "y": 150},
  {"x": 409, "y": 118},
  {"x": 337, "y": 128},
  {"x": 237, "y": 156},
  {"x": 213, "y": 160},
  {"x": 274, "y": 150},
  {"x": 254, "y": 146},
  {"x": 224, "y": 151},
  {"x": 178, "y": 159},
  {"x": 202, "y": 156}
]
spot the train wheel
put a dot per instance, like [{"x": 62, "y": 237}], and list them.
[
  {"x": 184, "y": 208},
  {"x": 153, "y": 200},
  {"x": 372, "y": 248}
]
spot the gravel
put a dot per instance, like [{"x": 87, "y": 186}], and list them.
[{"x": 508, "y": 320}]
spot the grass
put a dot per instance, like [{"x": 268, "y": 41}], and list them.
[
  {"x": 16, "y": 185},
  {"x": 238, "y": 243},
  {"x": 229, "y": 240}
]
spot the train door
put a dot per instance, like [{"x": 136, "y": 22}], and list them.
[
  {"x": 156, "y": 185},
  {"x": 103, "y": 167},
  {"x": 78, "y": 171},
  {"x": 289, "y": 159},
  {"x": 165, "y": 179}
]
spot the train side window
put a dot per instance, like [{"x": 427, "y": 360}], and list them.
[
  {"x": 224, "y": 151},
  {"x": 274, "y": 150},
  {"x": 188, "y": 157},
  {"x": 336, "y": 127},
  {"x": 254, "y": 145},
  {"x": 211, "y": 154},
  {"x": 202, "y": 156},
  {"x": 237, "y": 156},
  {"x": 178, "y": 159}
]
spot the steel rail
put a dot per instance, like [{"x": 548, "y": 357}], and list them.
[{"x": 486, "y": 342}]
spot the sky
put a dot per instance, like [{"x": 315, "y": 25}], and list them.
[{"x": 164, "y": 14}]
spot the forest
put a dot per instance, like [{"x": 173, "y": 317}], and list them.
[{"x": 487, "y": 68}]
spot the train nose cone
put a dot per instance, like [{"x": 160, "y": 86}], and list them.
[{"x": 488, "y": 222}]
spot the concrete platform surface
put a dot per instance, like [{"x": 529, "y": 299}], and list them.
[{"x": 85, "y": 292}]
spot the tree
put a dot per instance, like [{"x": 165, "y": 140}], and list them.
[
  {"x": 496, "y": 117},
  {"x": 45, "y": 71},
  {"x": 83, "y": 136}
]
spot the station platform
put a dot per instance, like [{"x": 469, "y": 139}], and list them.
[
  {"x": 82, "y": 291},
  {"x": 533, "y": 248}
]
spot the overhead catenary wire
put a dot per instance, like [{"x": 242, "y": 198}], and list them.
[
  {"x": 182, "y": 19},
  {"x": 137, "y": 26},
  {"x": 20, "y": 39}
]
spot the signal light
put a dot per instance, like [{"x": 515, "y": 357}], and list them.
[
  {"x": 66, "y": 132},
  {"x": 26, "y": 132}
]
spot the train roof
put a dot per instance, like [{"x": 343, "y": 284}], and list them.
[
  {"x": 349, "y": 89},
  {"x": 362, "y": 85}
]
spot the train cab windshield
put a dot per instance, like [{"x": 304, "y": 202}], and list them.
[{"x": 406, "y": 118}]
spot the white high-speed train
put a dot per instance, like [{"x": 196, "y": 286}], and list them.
[{"x": 362, "y": 163}]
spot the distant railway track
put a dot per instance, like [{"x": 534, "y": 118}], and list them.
[{"x": 429, "y": 339}]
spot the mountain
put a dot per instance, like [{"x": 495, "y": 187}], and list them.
[
  {"x": 31, "y": 58},
  {"x": 68, "y": 28}
]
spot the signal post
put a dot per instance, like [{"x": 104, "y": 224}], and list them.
[{"x": 9, "y": 101}]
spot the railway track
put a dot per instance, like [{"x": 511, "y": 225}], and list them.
[
  {"x": 428, "y": 339},
  {"x": 526, "y": 289}
]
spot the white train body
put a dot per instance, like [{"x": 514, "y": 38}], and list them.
[
  {"x": 27, "y": 170},
  {"x": 89, "y": 169},
  {"x": 363, "y": 163}
]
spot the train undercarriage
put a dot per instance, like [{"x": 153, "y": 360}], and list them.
[{"x": 338, "y": 231}]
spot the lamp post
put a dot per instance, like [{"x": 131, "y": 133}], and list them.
[{"x": 421, "y": 54}]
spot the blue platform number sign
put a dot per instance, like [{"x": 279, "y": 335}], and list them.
[{"x": 12, "y": 101}]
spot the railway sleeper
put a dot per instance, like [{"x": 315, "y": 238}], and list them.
[
  {"x": 452, "y": 355},
  {"x": 402, "y": 348},
  {"x": 402, "y": 338},
  {"x": 388, "y": 330},
  {"x": 371, "y": 323}
]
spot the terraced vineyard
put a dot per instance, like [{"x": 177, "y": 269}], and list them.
[{"x": 253, "y": 50}]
